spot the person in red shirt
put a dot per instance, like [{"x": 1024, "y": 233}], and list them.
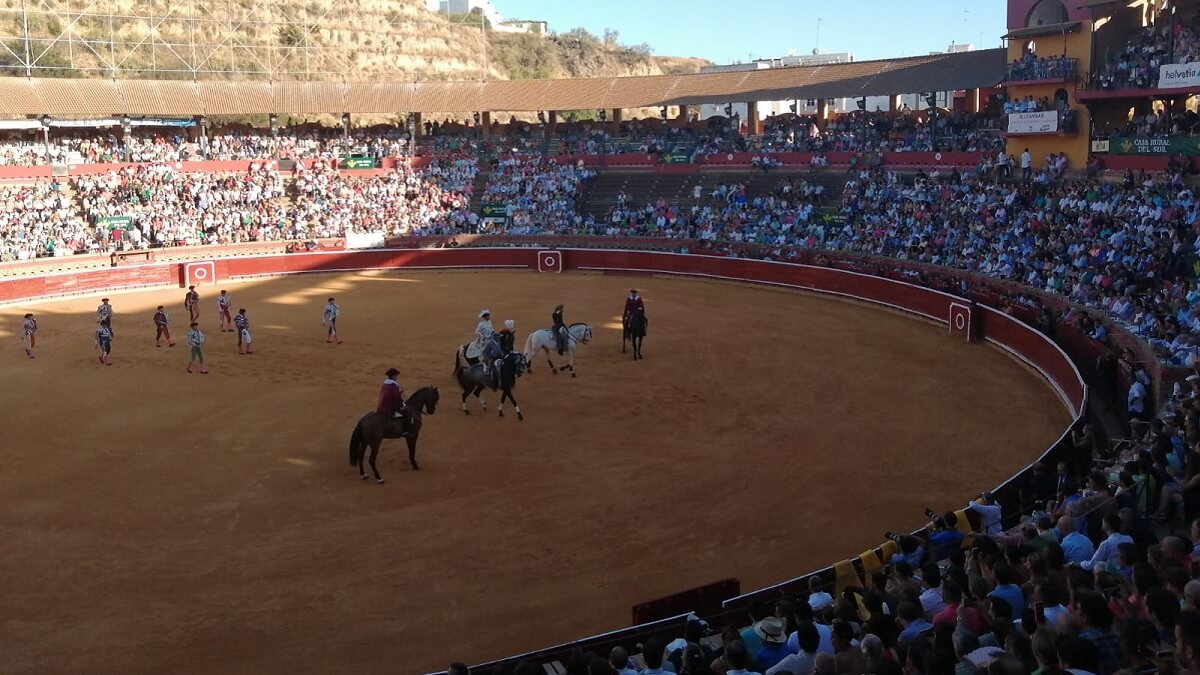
[
  {"x": 972, "y": 619},
  {"x": 632, "y": 304},
  {"x": 391, "y": 398}
]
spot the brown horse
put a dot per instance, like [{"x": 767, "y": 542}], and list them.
[{"x": 373, "y": 428}]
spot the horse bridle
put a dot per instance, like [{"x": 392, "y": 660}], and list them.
[{"x": 587, "y": 330}]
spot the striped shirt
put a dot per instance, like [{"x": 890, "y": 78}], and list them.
[
  {"x": 161, "y": 318},
  {"x": 30, "y": 326},
  {"x": 223, "y": 302},
  {"x": 103, "y": 312},
  {"x": 103, "y": 335},
  {"x": 195, "y": 337},
  {"x": 191, "y": 299},
  {"x": 241, "y": 322},
  {"x": 331, "y": 312}
]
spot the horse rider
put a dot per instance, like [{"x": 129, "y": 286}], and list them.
[
  {"x": 506, "y": 338},
  {"x": 559, "y": 329},
  {"x": 483, "y": 337},
  {"x": 632, "y": 304},
  {"x": 391, "y": 401}
]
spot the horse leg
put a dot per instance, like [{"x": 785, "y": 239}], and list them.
[
  {"x": 516, "y": 406},
  {"x": 412, "y": 452},
  {"x": 625, "y": 334},
  {"x": 571, "y": 362},
  {"x": 374, "y": 454},
  {"x": 464, "y": 402},
  {"x": 479, "y": 395}
]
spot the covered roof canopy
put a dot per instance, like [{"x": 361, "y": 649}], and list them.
[{"x": 78, "y": 97}]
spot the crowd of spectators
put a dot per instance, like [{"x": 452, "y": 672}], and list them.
[
  {"x": 430, "y": 200},
  {"x": 40, "y": 221},
  {"x": 1136, "y": 66},
  {"x": 537, "y": 194},
  {"x": 169, "y": 208},
  {"x": 1027, "y": 104},
  {"x": 884, "y": 132},
  {"x": 1127, "y": 248},
  {"x": 1030, "y": 67},
  {"x": 235, "y": 143}
]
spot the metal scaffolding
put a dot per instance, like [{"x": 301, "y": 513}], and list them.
[{"x": 194, "y": 39}]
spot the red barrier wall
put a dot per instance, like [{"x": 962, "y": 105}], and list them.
[
  {"x": 24, "y": 172},
  {"x": 1014, "y": 335},
  {"x": 633, "y": 160}
]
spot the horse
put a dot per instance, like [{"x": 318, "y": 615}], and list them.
[
  {"x": 488, "y": 352},
  {"x": 373, "y": 428},
  {"x": 577, "y": 334},
  {"x": 634, "y": 329},
  {"x": 473, "y": 380}
]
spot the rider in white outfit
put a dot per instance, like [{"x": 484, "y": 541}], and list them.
[{"x": 483, "y": 335}]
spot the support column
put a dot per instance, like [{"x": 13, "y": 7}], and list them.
[
  {"x": 552, "y": 122},
  {"x": 616, "y": 121},
  {"x": 681, "y": 120},
  {"x": 485, "y": 124},
  {"x": 418, "y": 126},
  {"x": 822, "y": 113},
  {"x": 973, "y": 102},
  {"x": 753, "y": 124},
  {"x": 893, "y": 103}
]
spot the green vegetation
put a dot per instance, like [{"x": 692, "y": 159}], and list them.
[
  {"x": 575, "y": 53},
  {"x": 474, "y": 18},
  {"x": 295, "y": 34},
  {"x": 523, "y": 56}
]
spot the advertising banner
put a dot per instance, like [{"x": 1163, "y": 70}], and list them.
[
  {"x": 1172, "y": 145},
  {"x": 360, "y": 240},
  {"x": 359, "y": 163},
  {"x": 1045, "y": 122},
  {"x": 494, "y": 211},
  {"x": 115, "y": 222},
  {"x": 1179, "y": 75}
]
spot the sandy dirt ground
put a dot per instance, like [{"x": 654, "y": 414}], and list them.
[{"x": 156, "y": 521}]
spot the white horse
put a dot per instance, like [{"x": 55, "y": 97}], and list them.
[{"x": 577, "y": 334}]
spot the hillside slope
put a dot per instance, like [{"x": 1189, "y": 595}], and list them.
[{"x": 294, "y": 39}]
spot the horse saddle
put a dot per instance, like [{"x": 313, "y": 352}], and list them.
[{"x": 397, "y": 427}]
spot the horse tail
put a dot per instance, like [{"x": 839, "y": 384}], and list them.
[
  {"x": 458, "y": 360},
  {"x": 357, "y": 446}
]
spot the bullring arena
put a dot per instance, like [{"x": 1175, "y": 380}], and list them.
[{"x": 157, "y": 520}]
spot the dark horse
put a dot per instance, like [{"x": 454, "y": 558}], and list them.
[
  {"x": 373, "y": 428},
  {"x": 635, "y": 331},
  {"x": 473, "y": 380}
]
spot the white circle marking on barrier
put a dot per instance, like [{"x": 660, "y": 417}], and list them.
[
  {"x": 960, "y": 321},
  {"x": 200, "y": 273},
  {"x": 549, "y": 261}
]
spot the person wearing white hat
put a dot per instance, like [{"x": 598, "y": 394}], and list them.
[
  {"x": 506, "y": 337},
  {"x": 483, "y": 336},
  {"x": 772, "y": 631}
]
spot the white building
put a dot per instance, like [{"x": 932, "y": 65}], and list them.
[
  {"x": 489, "y": 12},
  {"x": 809, "y": 107}
]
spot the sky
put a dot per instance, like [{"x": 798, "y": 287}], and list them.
[{"x": 725, "y": 31}]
